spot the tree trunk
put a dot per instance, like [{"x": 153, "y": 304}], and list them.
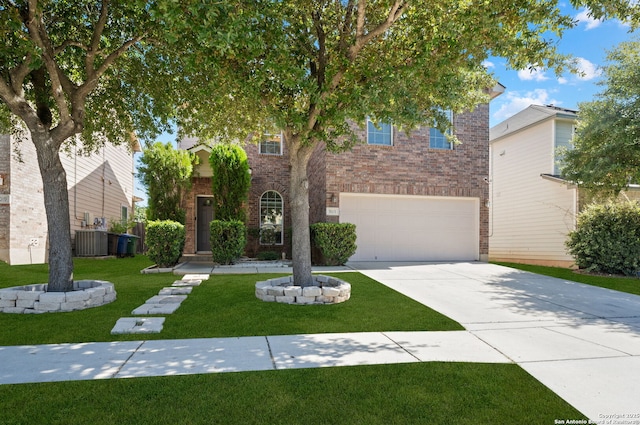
[
  {"x": 56, "y": 203},
  {"x": 301, "y": 244}
]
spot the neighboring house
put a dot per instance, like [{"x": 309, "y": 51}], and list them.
[
  {"x": 532, "y": 207},
  {"x": 412, "y": 197},
  {"x": 100, "y": 187}
]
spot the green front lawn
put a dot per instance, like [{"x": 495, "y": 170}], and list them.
[
  {"x": 424, "y": 393},
  {"x": 223, "y": 306},
  {"x": 630, "y": 285},
  {"x": 418, "y": 393}
]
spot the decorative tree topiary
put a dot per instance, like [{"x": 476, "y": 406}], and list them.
[
  {"x": 230, "y": 182},
  {"x": 166, "y": 174}
]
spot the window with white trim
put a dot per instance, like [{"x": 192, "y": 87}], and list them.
[
  {"x": 271, "y": 218},
  {"x": 379, "y": 133},
  {"x": 124, "y": 215},
  {"x": 438, "y": 139},
  {"x": 271, "y": 144}
]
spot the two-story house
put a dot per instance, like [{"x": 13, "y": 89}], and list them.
[
  {"x": 100, "y": 188},
  {"x": 532, "y": 207},
  {"x": 412, "y": 196}
]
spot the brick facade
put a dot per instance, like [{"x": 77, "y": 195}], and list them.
[
  {"x": 409, "y": 167},
  {"x": 269, "y": 172}
]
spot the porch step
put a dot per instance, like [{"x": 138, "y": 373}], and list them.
[{"x": 196, "y": 258}]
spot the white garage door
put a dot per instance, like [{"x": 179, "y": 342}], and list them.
[{"x": 412, "y": 228}]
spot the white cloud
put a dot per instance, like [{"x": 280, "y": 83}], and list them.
[
  {"x": 588, "y": 70},
  {"x": 488, "y": 64},
  {"x": 562, "y": 80},
  {"x": 532, "y": 75},
  {"x": 515, "y": 102},
  {"x": 591, "y": 23}
]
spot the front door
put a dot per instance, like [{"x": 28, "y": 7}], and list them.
[{"x": 204, "y": 216}]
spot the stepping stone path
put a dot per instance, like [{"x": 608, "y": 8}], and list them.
[{"x": 166, "y": 302}]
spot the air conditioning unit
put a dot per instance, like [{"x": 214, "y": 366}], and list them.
[{"x": 91, "y": 243}]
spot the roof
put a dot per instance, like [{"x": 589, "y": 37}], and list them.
[{"x": 534, "y": 114}]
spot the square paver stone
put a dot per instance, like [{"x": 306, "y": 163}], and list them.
[
  {"x": 195, "y": 277},
  {"x": 145, "y": 309},
  {"x": 138, "y": 325},
  {"x": 186, "y": 283},
  {"x": 166, "y": 299},
  {"x": 184, "y": 290}
]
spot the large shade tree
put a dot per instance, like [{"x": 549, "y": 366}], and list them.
[
  {"x": 606, "y": 153},
  {"x": 312, "y": 68},
  {"x": 98, "y": 70},
  {"x": 80, "y": 72}
]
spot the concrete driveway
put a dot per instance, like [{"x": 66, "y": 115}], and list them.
[{"x": 581, "y": 341}]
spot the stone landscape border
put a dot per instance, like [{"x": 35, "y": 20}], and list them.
[
  {"x": 30, "y": 299},
  {"x": 327, "y": 290}
]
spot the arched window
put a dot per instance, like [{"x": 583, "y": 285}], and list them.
[{"x": 271, "y": 218}]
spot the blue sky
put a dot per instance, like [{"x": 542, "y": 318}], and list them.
[{"x": 589, "y": 41}]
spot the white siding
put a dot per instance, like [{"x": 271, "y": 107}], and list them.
[
  {"x": 530, "y": 216},
  {"x": 99, "y": 184}
]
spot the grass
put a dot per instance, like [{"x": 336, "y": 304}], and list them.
[
  {"x": 426, "y": 393},
  {"x": 423, "y": 393},
  {"x": 630, "y": 285},
  {"x": 224, "y": 306}
]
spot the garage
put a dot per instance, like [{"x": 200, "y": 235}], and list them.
[{"x": 412, "y": 228}]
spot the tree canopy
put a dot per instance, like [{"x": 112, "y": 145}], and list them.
[
  {"x": 317, "y": 69},
  {"x": 113, "y": 69},
  {"x": 606, "y": 148},
  {"x": 77, "y": 72}
]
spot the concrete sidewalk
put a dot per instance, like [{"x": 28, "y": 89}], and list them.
[
  {"x": 581, "y": 341},
  {"x": 130, "y": 359}
]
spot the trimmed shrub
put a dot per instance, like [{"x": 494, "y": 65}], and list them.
[
  {"x": 228, "y": 239},
  {"x": 268, "y": 256},
  {"x": 165, "y": 242},
  {"x": 607, "y": 238},
  {"x": 336, "y": 241}
]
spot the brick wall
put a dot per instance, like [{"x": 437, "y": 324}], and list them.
[
  {"x": 269, "y": 172},
  {"x": 410, "y": 167},
  {"x": 5, "y": 167},
  {"x": 27, "y": 213}
]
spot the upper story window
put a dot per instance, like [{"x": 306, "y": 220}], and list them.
[
  {"x": 437, "y": 139},
  {"x": 379, "y": 134},
  {"x": 271, "y": 144}
]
